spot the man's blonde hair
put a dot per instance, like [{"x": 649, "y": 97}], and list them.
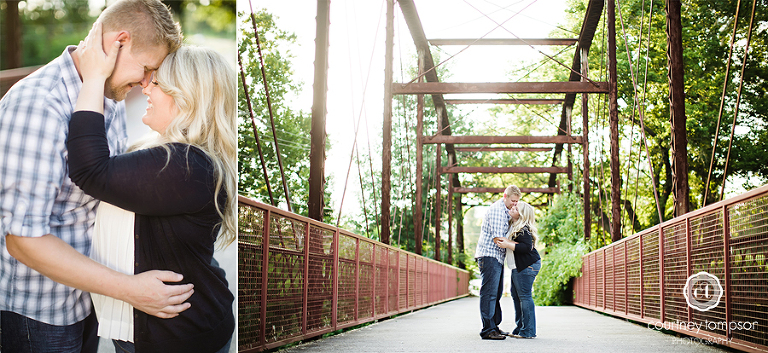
[
  {"x": 513, "y": 190},
  {"x": 149, "y": 22}
]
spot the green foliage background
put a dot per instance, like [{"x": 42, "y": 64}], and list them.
[{"x": 561, "y": 230}]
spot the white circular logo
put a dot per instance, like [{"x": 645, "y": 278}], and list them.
[{"x": 703, "y": 291}]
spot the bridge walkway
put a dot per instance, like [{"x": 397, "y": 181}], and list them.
[{"x": 454, "y": 327}]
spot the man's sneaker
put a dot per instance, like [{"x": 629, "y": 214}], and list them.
[{"x": 494, "y": 336}]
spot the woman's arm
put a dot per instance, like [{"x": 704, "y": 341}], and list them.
[
  {"x": 525, "y": 242},
  {"x": 139, "y": 181}
]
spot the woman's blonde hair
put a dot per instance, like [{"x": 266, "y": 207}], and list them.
[
  {"x": 203, "y": 87},
  {"x": 527, "y": 218}
]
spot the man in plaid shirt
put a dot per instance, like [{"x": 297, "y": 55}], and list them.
[
  {"x": 490, "y": 260},
  {"x": 46, "y": 220}
]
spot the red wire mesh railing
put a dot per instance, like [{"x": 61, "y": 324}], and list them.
[
  {"x": 644, "y": 277},
  {"x": 320, "y": 279}
]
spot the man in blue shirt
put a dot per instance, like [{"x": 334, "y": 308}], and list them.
[
  {"x": 46, "y": 220},
  {"x": 490, "y": 260}
]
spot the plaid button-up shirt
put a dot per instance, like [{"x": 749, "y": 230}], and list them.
[
  {"x": 495, "y": 224},
  {"x": 36, "y": 195}
]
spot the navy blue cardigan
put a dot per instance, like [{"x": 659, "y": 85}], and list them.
[
  {"x": 525, "y": 251},
  {"x": 175, "y": 229}
]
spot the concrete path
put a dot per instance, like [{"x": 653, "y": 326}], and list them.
[{"x": 455, "y": 327}]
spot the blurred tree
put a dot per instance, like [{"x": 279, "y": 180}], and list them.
[
  {"x": 43, "y": 31},
  {"x": 37, "y": 32},
  {"x": 212, "y": 17},
  {"x": 12, "y": 35}
]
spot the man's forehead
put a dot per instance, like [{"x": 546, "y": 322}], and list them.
[{"x": 151, "y": 59}]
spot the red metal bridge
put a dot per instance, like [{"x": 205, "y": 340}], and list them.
[
  {"x": 702, "y": 274},
  {"x": 299, "y": 278}
]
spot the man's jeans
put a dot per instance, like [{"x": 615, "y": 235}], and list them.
[
  {"x": 24, "y": 335},
  {"x": 522, "y": 288},
  {"x": 492, "y": 272}
]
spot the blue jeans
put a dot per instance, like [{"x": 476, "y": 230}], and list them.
[
  {"x": 129, "y": 347},
  {"x": 522, "y": 288},
  {"x": 492, "y": 272},
  {"x": 24, "y": 335}
]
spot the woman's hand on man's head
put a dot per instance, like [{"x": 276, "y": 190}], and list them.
[
  {"x": 95, "y": 67},
  {"x": 95, "y": 62}
]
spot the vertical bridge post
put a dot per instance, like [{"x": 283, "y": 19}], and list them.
[
  {"x": 386, "y": 146},
  {"x": 613, "y": 108},
  {"x": 315, "y": 203},
  {"x": 585, "y": 144}
]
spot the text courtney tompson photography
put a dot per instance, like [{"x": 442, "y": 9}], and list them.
[{"x": 703, "y": 325}]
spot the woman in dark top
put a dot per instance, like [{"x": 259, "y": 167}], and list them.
[
  {"x": 180, "y": 184},
  {"x": 521, "y": 240}
]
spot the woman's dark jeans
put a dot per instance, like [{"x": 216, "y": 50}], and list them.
[{"x": 522, "y": 289}]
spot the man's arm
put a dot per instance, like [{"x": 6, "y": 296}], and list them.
[{"x": 58, "y": 261}]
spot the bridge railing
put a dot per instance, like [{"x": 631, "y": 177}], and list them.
[
  {"x": 299, "y": 278},
  {"x": 644, "y": 277}
]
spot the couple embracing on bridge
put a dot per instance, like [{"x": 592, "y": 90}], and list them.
[{"x": 508, "y": 233}]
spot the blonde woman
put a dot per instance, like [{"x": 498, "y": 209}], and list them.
[
  {"x": 525, "y": 265},
  {"x": 175, "y": 193}
]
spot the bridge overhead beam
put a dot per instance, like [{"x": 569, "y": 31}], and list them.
[
  {"x": 555, "y": 190},
  {"x": 504, "y": 41},
  {"x": 499, "y": 87},
  {"x": 505, "y": 101},
  {"x": 503, "y": 149},
  {"x": 505, "y": 170},
  {"x": 500, "y": 139}
]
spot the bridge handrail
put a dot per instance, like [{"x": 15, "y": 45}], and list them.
[
  {"x": 643, "y": 277},
  {"x": 321, "y": 278}
]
